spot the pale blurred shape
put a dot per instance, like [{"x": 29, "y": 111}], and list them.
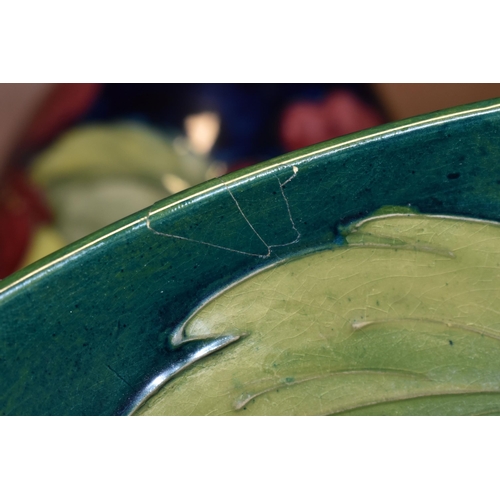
[
  {"x": 174, "y": 183},
  {"x": 83, "y": 206},
  {"x": 94, "y": 175},
  {"x": 202, "y": 130}
]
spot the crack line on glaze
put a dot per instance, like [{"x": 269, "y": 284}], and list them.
[
  {"x": 226, "y": 186},
  {"x": 346, "y": 145},
  {"x": 307, "y": 156},
  {"x": 282, "y": 185}
]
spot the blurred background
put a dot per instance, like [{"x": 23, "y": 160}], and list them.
[{"x": 77, "y": 157}]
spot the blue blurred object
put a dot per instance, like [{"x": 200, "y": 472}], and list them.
[{"x": 249, "y": 113}]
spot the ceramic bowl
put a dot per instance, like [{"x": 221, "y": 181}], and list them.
[{"x": 88, "y": 330}]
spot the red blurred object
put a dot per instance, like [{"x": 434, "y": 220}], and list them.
[
  {"x": 22, "y": 209},
  {"x": 340, "y": 113},
  {"x": 67, "y": 103}
]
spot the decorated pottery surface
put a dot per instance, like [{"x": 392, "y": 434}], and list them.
[
  {"x": 359, "y": 275},
  {"x": 405, "y": 310}
]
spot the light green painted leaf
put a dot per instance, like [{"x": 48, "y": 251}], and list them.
[{"x": 404, "y": 319}]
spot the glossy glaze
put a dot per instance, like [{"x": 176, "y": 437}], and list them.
[{"x": 88, "y": 329}]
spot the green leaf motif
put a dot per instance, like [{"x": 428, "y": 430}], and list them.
[{"x": 403, "y": 319}]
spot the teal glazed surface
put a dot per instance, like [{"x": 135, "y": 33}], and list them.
[{"x": 87, "y": 329}]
